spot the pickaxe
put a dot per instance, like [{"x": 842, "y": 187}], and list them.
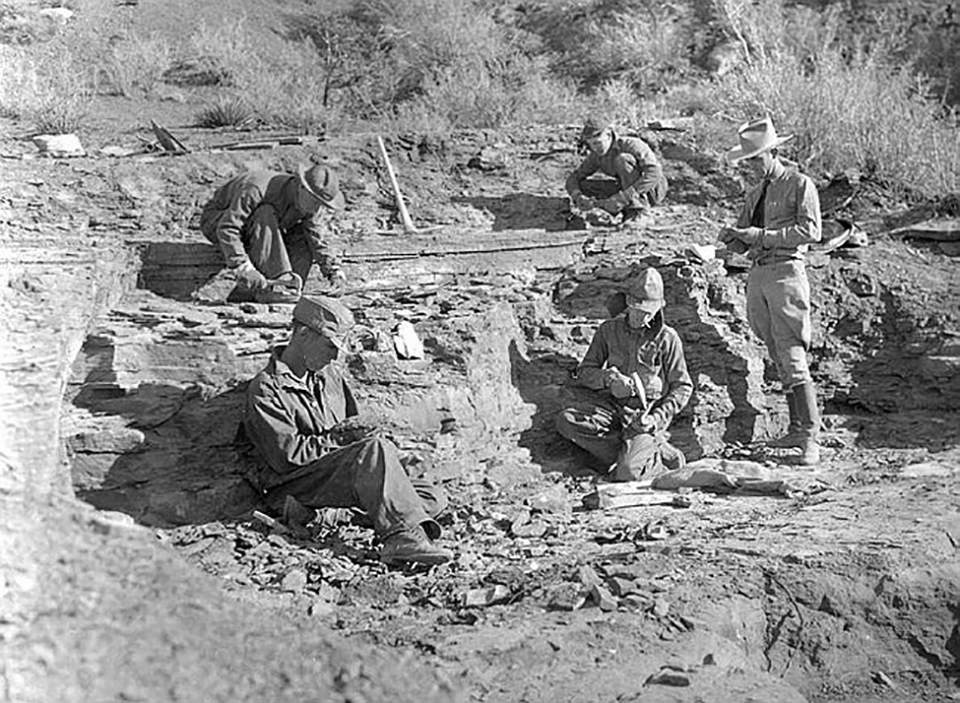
[{"x": 408, "y": 226}]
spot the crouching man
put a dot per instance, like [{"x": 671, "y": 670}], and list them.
[
  {"x": 298, "y": 417},
  {"x": 271, "y": 227},
  {"x": 635, "y": 364},
  {"x": 631, "y": 182}
]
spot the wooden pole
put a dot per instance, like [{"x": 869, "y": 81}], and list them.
[{"x": 398, "y": 196}]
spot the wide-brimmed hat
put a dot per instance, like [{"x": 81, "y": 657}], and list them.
[
  {"x": 647, "y": 288},
  {"x": 325, "y": 316},
  {"x": 323, "y": 183},
  {"x": 755, "y": 138}
]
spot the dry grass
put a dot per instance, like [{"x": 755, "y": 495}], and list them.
[
  {"x": 137, "y": 64},
  {"x": 47, "y": 89}
]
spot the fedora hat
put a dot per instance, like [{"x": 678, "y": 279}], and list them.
[
  {"x": 755, "y": 138},
  {"x": 323, "y": 184}
]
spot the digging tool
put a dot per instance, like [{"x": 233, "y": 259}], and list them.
[{"x": 408, "y": 226}]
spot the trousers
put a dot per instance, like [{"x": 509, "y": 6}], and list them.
[
  {"x": 778, "y": 311},
  {"x": 598, "y": 429},
  {"x": 366, "y": 475},
  {"x": 272, "y": 250}
]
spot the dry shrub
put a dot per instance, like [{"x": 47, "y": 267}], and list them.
[
  {"x": 853, "y": 110},
  {"x": 226, "y": 111},
  {"x": 488, "y": 95},
  {"x": 49, "y": 89},
  {"x": 137, "y": 64}
]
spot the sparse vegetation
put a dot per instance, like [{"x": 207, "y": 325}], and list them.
[
  {"x": 869, "y": 88},
  {"x": 137, "y": 64},
  {"x": 48, "y": 90},
  {"x": 226, "y": 111}
]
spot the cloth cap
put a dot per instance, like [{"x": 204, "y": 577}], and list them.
[
  {"x": 755, "y": 138},
  {"x": 322, "y": 183},
  {"x": 647, "y": 288},
  {"x": 325, "y": 316},
  {"x": 593, "y": 127}
]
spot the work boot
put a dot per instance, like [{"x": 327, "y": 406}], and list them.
[
  {"x": 808, "y": 415},
  {"x": 412, "y": 545},
  {"x": 792, "y": 438}
]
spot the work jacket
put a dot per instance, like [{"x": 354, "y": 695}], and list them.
[
  {"x": 791, "y": 215},
  {"x": 651, "y": 172},
  {"x": 654, "y": 353},
  {"x": 225, "y": 215},
  {"x": 288, "y": 419}
]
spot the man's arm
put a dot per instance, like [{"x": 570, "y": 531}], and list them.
[
  {"x": 230, "y": 225},
  {"x": 677, "y": 381},
  {"x": 807, "y": 227},
  {"x": 591, "y": 372},
  {"x": 650, "y": 169},
  {"x": 318, "y": 235},
  {"x": 274, "y": 432},
  {"x": 588, "y": 167}
]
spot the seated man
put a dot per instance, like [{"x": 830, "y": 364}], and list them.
[
  {"x": 297, "y": 416},
  {"x": 636, "y": 366},
  {"x": 636, "y": 182},
  {"x": 270, "y": 225}
]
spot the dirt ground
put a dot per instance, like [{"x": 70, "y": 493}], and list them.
[{"x": 845, "y": 586}]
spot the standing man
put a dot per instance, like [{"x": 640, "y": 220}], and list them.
[
  {"x": 779, "y": 220},
  {"x": 635, "y": 180},
  {"x": 635, "y": 364},
  {"x": 270, "y": 225},
  {"x": 298, "y": 417}
]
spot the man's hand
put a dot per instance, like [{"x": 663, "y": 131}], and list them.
[
  {"x": 249, "y": 276},
  {"x": 747, "y": 235},
  {"x": 620, "y": 386},
  {"x": 613, "y": 204},
  {"x": 582, "y": 201}
]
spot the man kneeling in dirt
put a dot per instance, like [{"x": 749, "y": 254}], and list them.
[
  {"x": 636, "y": 182},
  {"x": 298, "y": 416},
  {"x": 271, "y": 227},
  {"x": 635, "y": 364}
]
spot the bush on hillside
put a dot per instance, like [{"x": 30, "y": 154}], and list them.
[
  {"x": 49, "y": 89},
  {"x": 137, "y": 64}
]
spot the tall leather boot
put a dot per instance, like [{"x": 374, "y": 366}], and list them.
[
  {"x": 792, "y": 438},
  {"x": 805, "y": 396}
]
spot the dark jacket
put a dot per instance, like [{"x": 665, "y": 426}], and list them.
[
  {"x": 654, "y": 353},
  {"x": 289, "y": 419},
  {"x": 225, "y": 215}
]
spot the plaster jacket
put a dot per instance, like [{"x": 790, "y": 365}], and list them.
[{"x": 288, "y": 418}]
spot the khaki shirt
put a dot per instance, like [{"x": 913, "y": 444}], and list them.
[
  {"x": 232, "y": 204},
  {"x": 654, "y": 353},
  {"x": 791, "y": 216},
  {"x": 287, "y": 418},
  {"x": 651, "y": 172}
]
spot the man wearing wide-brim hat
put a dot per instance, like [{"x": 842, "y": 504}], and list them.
[
  {"x": 778, "y": 222},
  {"x": 636, "y": 370},
  {"x": 299, "y": 416},
  {"x": 272, "y": 226},
  {"x": 633, "y": 181}
]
